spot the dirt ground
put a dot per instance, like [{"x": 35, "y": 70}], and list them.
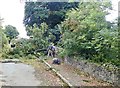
[
  {"x": 46, "y": 75},
  {"x": 75, "y": 76}
]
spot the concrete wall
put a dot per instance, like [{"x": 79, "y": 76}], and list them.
[{"x": 98, "y": 72}]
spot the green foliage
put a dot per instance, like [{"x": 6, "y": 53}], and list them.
[
  {"x": 50, "y": 12},
  {"x": 23, "y": 47},
  {"x": 11, "y": 32},
  {"x": 38, "y": 40},
  {"x": 62, "y": 53},
  {"x": 4, "y": 47},
  {"x": 30, "y": 56},
  {"x": 5, "y": 34},
  {"x": 87, "y": 34},
  {"x": 84, "y": 33}
]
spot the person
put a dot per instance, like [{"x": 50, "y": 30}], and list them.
[
  {"x": 56, "y": 61},
  {"x": 51, "y": 50}
]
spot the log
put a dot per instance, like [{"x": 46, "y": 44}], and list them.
[{"x": 58, "y": 74}]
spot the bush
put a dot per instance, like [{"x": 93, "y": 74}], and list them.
[
  {"x": 16, "y": 56},
  {"x": 89, "y": 35},
  {"x": 4, "y": 55},
  {"x": 62, "y": 53},
  {"x": 30, "y": 56}
]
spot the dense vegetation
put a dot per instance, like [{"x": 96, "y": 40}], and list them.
[
  {"x": 4, "y": 48},
  {"x": 80, "y": 30},
  {"x": 52, "y": 13},
  {"x": 83, "y": 31},
  {"x": 11, "y": 32},
  {"x": 87, "y": 34}
]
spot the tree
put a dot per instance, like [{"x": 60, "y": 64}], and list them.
[
  {"x": 51, "y": 13},
  {"x": 86, "y": 33},
  {"x": 11, "y": 32},
  {"x": 38, "y": 41},
  {"x": 4, "y": 48}
]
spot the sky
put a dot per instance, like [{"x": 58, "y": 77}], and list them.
[{"x": 13, "y": 13}]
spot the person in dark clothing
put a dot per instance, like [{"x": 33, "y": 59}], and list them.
[
  {"x": 56, "y": 61},
  {"x": 51, "y": 50}
]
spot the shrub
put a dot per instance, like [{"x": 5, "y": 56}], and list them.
[
  {"x": 16, "y": 56},
  {"x": 30, "y": 56}
]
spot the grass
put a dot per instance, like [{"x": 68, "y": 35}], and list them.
[{"x": 28, "y": 61}]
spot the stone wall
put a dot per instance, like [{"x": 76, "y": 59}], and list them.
[{"x": 98, "y": 72}]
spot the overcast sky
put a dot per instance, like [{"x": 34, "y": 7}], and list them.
[{"x": 13, "y": 13}]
